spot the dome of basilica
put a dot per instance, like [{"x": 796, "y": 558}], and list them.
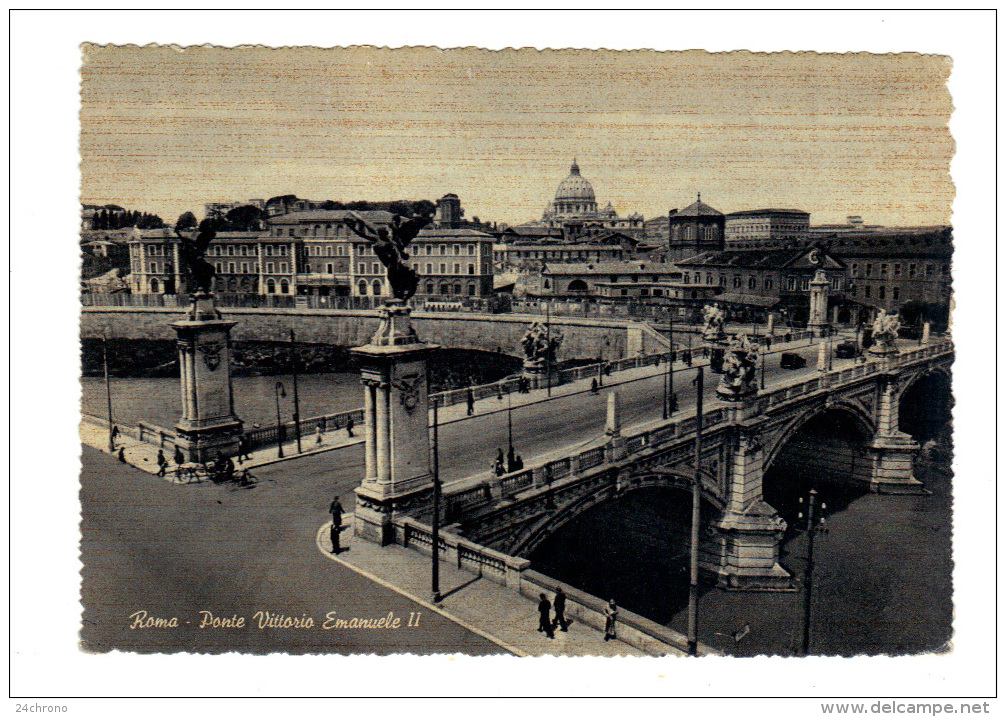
[{"x": 574, "y": 187}]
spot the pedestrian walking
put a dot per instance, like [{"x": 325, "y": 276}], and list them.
[
  {"x": 511, "y": 460},
  {"x": 179, "y": 458},
  {"x": 593, "y": 385},
  {"x": 559, "y": 603},
  {"x": 349, "y": 426},
  {"x": 470, "y": 397},
  {"x": 610, "y": 615},
  {"x": 544, "y": 616},
  {"x": 317, "y": 434},
  {"x": 162, "y": 464},
  {"x": 122, "y": 455},
  {"x": 335, "y": 509},
  {"x": 498, "y": 466},
  {"x": 499, "y": 391},
  {"x": 115, "y": 435}
]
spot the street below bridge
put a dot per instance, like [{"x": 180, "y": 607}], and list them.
[{"x": 176, "y": 550}]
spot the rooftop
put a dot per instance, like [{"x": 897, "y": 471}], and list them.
[
  {"x": 609, "y": 267},
  {"x": 760, "y": 212}
]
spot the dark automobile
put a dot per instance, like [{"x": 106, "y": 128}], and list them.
[
  {"x": 792, "y": 361},
  {"x": 847, "y": 349}
]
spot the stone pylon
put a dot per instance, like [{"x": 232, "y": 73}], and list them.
[
  {"x": 208, "y": 427},
  {"x": 397, "y": 476},
  {"x": 818, "y": 320}
]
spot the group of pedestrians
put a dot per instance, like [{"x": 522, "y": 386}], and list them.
[
  {"x": 512, "y": 462},
  {"x": 547, "y": 623}
]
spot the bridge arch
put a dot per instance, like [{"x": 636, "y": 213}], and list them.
[
  {"x": 826, "y": 449},
  {"x": 925, "y": 403},
  {"x": 534, "y": 532}
]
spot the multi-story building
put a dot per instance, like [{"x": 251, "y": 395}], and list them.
[
  {"x": 695, "y": 229},
  {"x": 452, "y": 263},
  {"x": 898, "y": 269},
  {"x": 766, "y": 229},
  {"x": 613, "y": 279},
  {"x": 760, "y": 279}
]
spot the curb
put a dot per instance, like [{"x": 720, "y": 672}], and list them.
[{"x": 404, "y": 593}]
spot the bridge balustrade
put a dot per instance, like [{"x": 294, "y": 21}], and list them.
[
  {"x": 466, "y": 555},
  {"x": 590, "y": 458},
  {"x": 515, "y": 482}
]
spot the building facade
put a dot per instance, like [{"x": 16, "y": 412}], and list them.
[
  {"x": 766, "y": 229},
  {"x": 759, "y": 279},
  {"x": 898, "y": 269}
]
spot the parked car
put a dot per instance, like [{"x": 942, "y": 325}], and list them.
[
  {"x": 847, "y": 349},
  {"x": 789, "y": 360}
]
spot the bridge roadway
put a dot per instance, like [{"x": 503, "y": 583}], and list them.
[{"x": 468, "y": 447}]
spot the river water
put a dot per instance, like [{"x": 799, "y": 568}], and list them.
[
  {"x": 882, "y": 572},
  {"x": 158, "y": 400}
]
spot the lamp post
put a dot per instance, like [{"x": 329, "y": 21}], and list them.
[
  {"x": 280, "y": 393},
  {"x": 435, "y": 522},
  {"x": 296, "y": 397},
  {"x": 815, "y": 523},
  {"x": 108, "y": 393},
  {"x": 548, "y": 346},
  {"x": 509, "y": 427},
  {"x": 693, "y": 549}
]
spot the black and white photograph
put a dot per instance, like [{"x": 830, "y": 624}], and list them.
[{"x": 514, "y": 352}]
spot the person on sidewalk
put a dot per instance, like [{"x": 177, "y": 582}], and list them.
[
  {"x": 162, "y": 464},
  {"x": 470, "y": 397},
  {"x": 349, "y": 426},
  {"x": 544, "y": 617},
  {"x": 499, "y": 468},
  {"x": 593, "y": 386},
  {"x": 610, "y": 615},
  {"x": 179, "y": 458},
  {"x": 317, "y": 434},
  {"x": 122, "y": 455},
  {"x": 511, "y": 460},
  {"x": 335, "y": 509},
  {"x": 559, "y": 603},
  {"x": 115, "y": 435}
]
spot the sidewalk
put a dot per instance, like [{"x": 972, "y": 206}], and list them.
[
  {"x": 144, "y": 455},
  {"x": 491, "y": 610}
]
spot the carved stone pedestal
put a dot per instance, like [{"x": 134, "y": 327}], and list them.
[
  {"x": 893, "y": 464},
  {"x": 208, "y": 427},
  {"x": 536, "y": 373},
  {"x": 397, "y": 477},
  {"x": 743, "y": 550}
]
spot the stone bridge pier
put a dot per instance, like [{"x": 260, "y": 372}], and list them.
[{"x": 741, "y": 546}]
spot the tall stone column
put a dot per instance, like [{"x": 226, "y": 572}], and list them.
[
  {"x": 743, "y": 550},
  {"x": 818, "y": 321},
  {"x": 398, "y": 477},
  {"x": 892, "y": 453},
  {"x": 208, "y": 427}
]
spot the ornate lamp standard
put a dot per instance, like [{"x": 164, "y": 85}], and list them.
[
  {"x": 815, "y": 524},
  {"x": 280, "y": 393}
]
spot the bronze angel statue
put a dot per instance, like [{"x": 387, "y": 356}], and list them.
[
  {"x": 390, "y": 244},
  {"x": 192, "y": 249}
]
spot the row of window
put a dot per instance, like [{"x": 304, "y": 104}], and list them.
[
  {"x": 446, "y": 289},
  {"x": 443, "y": 249},
  {"x": 895, "y": 269},
  {"x": 596, "y": 255}
]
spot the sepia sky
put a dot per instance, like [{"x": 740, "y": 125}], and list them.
[{"x": 166, "y": 130}]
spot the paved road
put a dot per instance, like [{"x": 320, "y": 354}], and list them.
[
  {"x": 176, "y": 550},
  {"x": 469, "y": 446}
]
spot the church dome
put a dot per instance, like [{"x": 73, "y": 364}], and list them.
[{"x": 574, "y": 187}]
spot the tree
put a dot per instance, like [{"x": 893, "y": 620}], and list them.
[
  {"x": 186, "y": 221},
  {"x": 246, "y": 218}
]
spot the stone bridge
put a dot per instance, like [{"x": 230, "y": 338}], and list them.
[
  {"x": 584, "y": 338},
  {"x": 844, "y": 423}
]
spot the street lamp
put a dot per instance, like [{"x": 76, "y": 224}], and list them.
[
  {"x": 296, "y": 398},
  {"x": 815, "y": 524},
  {"x": 435, "y": 522},
  {"x": 509, "y": 429},
  {"x": 108, "y": 394},
  {"x": 280, "y": 393}
]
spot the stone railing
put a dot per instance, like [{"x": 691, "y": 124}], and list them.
[
  {"x": 155, "y": 435},
  {"x": 646, "y": 635},
  {"x": 515, "y": 573},
  {"x": 124, "y": 428},
  {"x": 271, "y": 435},
  {"x": 464, "y": 554}
]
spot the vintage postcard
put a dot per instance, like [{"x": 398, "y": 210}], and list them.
[{"x": 652, "y": 350}]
